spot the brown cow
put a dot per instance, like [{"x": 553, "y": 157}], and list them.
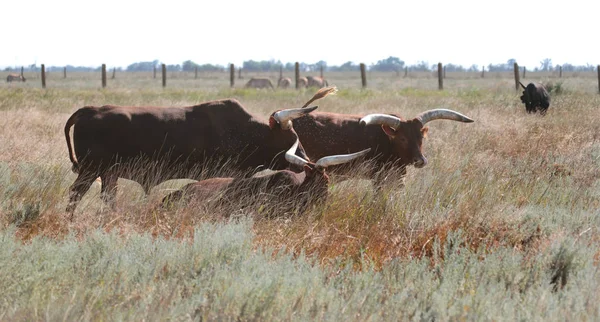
[
  {"x": 15, "y": 77},
  {"x": 395, "y": 143},
  {"x": 153, "y": 144},
  {"x": 283, "y": 191},
  {"x": 536, "y": 98},
  {"x": 315, "y": 81},
  {"x": 284, "y": 82},
  {"x": 256, "y": 82}
]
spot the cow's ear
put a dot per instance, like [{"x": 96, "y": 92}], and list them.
[
  {"x": 389, "y": 131},
  {"x": 272, "y": 122},
  {"x": 424, "y": 131},
  {"x": 308, "y": 170}
]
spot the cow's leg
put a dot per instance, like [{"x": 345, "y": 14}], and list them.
[
  {"x": 109, "y": 189},
  {"x": 81, "y": 185}
]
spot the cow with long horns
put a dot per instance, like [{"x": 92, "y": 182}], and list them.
[
  {"x": 280, "y": 191},
  {"x": 153, "y": 144},
  {"x": 536, "y": 98},
  {"x": 395, "y": 143}
]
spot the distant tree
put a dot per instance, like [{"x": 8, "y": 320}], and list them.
[
  {"x": 421, "y": 66},
  {"x": 454, "y": 68},
  {"x": 142, "y": 66},
  {"x": 474, "y": 68},
  {"x": 511, "y": 63},
  {"x": 546, "y": 64},
  {"x": 345, "y": 67},
  {"x": 317, "y": 66},
  {"x": 174, "y": 68},
  {"x": 390, "y": 64},
  {"x": 188, "y": 66}
]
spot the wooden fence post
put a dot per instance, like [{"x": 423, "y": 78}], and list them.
[
  {"x": 560, "y": 72},
  {"x": 240, "y": 73},
  {"x": 297, "y": 73},
  {"x": 154, "y": 71},
  {"x": 516, "y": 72},
  {"x": 598, "y": 68},
  {"x": 524, "y": 71},
  {"x": 280, "y": 72},
  {"x": 482, "y": 71},
  {"x": 231, "y": 75},
  {"x": 114, "y": 72},
  {"x": 103, "y": 75},
  {"x": 21, "y": 71},
  {"x": 363, "y": 75},
  {"x": 65, "y": 72},
  {"x": 164, "y": 75},
  {"x": 440, "y": 77},
  {"x": 196, "y": 72},
  {"x": 444, "y": 72},
  {"x": 321, "y": 71},
  {"x": 405, "y": 71},
  {"x": 43, "y": 76}
]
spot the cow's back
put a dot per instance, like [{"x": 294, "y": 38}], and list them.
[
  {"x": 323, "y": 134},
  {"x": 171, "y": 133}
]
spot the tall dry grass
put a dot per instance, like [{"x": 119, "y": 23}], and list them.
[{"x": 501, "y": 224}]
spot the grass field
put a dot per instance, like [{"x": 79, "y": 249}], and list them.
[{"x": 502, "y": 224}]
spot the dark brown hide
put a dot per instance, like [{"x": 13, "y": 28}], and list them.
[
  {"x": 536, "y": 98},
  {"x": 153, "y": 144},
  {"x": 281, "y": 191},
  {"x": 325, "y": 133}
]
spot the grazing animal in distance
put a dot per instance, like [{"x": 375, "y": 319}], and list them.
[
  {"x": 395, "y": 143},
  {"x": 283, "y": 191},
  {"x": 15, "y": 77},
  {"x": 152, "y": 144},
  {"x": 302, "y": 82},
  {"x": 536, "y": 98},
  {"x": 284, "y": 82},
  {"x": 315, "y": 81},
  {"x": 256, "y": 82}
]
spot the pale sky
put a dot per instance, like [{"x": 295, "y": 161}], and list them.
[{"x": 464, "y": 32}]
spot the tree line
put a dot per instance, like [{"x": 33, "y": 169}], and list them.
[{"x": 390, "y": 64}]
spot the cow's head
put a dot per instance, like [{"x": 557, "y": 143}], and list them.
[
  {"x": 406, "y": 136},
  {"x": 315, "y": 177}
]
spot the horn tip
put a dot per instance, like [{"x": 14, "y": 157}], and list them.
[{"x": 310, "y": 109}]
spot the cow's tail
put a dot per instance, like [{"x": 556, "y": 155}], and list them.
[
  {"x": 321, "y": 93},
  {"x": 70, "y": 122}
]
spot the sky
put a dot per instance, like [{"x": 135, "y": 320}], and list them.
[{"x": 462, "y": 32}]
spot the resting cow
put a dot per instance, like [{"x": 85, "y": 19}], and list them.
[
  {"x": 153, "y": 144},
  {"x": 395, "y": 143},
  {"x": 255, "y": 82},
  {"x": 281, "y": 191},
  {"x": 536, "y": 98}
]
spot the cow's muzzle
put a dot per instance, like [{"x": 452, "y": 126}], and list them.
[{"x": 419, "y": 162}]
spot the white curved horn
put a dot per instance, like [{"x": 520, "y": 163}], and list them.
[
  {"x": 384, "y": 119},
  {"x": 291, "y": 157},
  {"x": 325, "y": 162},
  {"x": 285, "y": 117},
  {"x": 442, "y": 113}
]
